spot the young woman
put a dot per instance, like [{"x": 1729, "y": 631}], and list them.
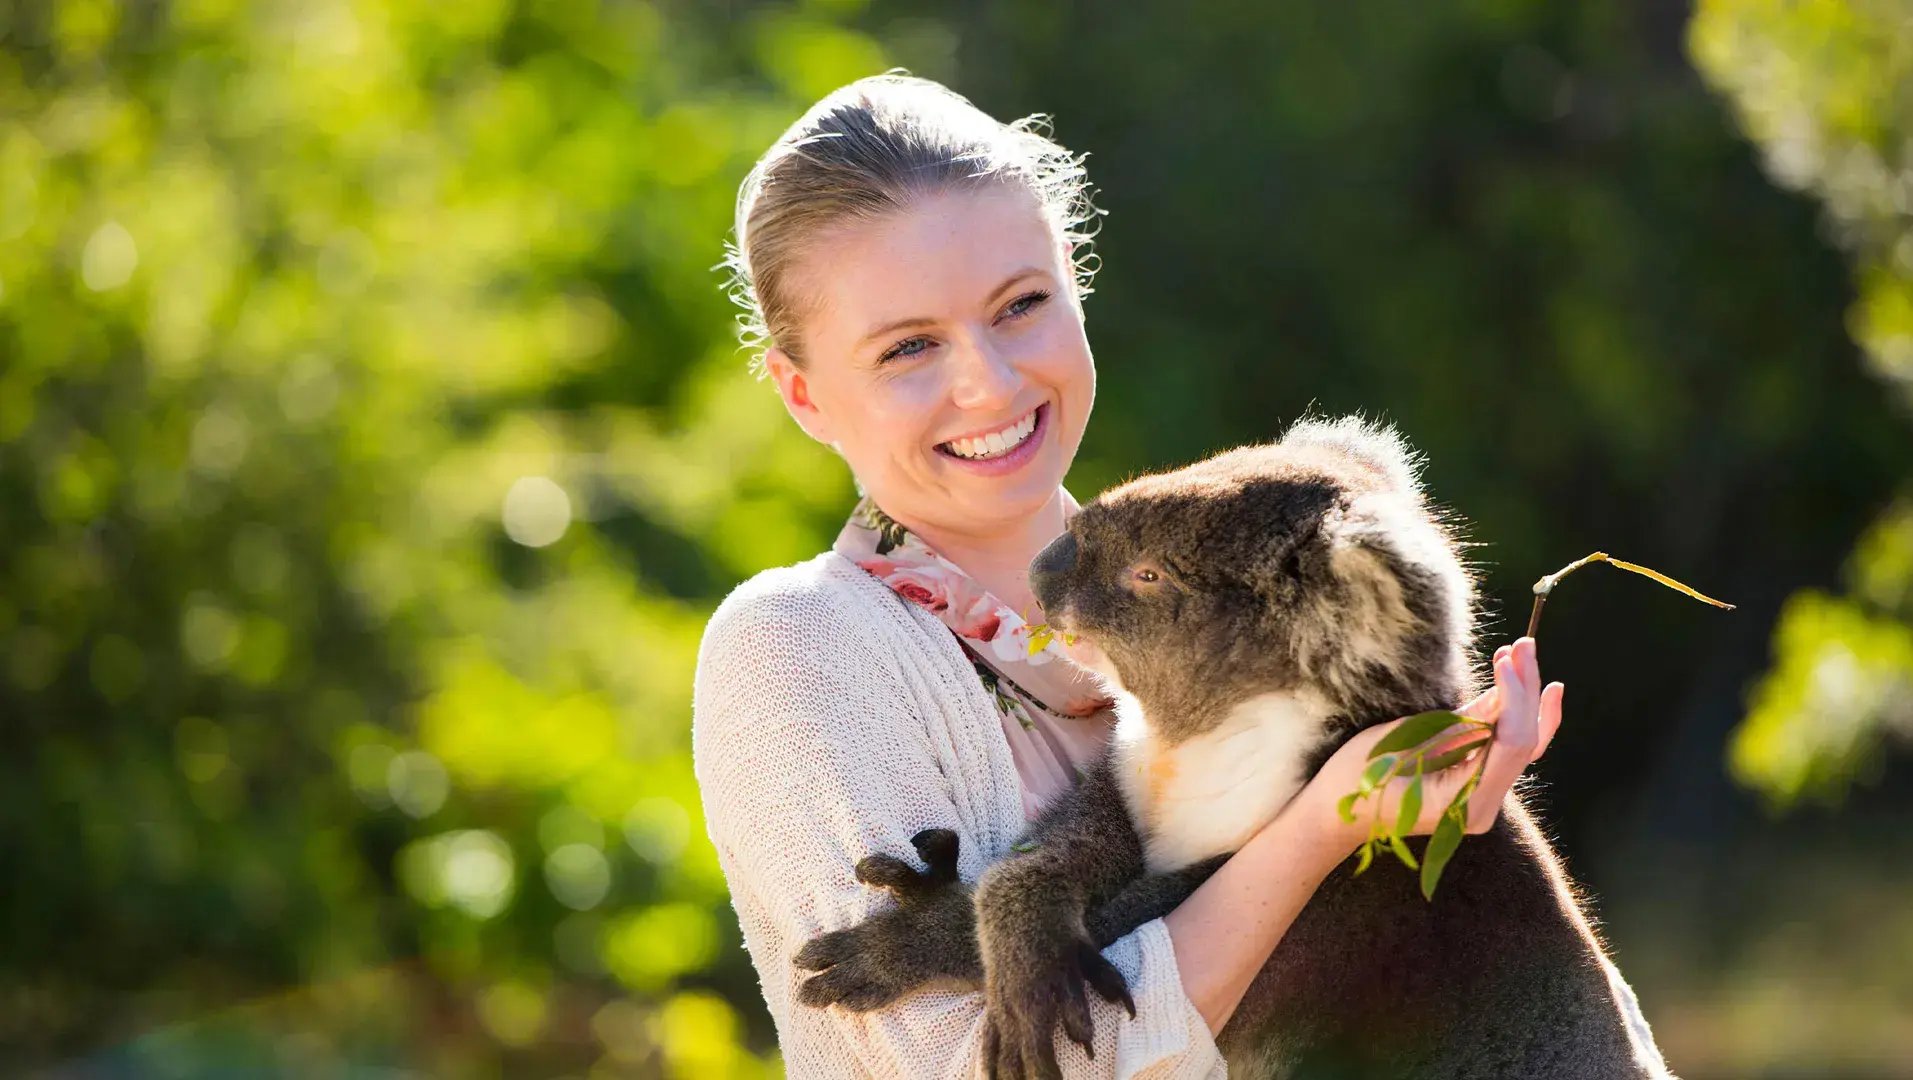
[{"x": 916, "y": 271}]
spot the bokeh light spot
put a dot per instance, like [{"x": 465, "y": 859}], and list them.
[
  {"x": 537, "y": 511},
  {"x": 109, "y": 258},
  {"x": 417, "y": 783},
  {"x": 578, "y": 875}
]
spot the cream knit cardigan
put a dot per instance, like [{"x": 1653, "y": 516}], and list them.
[{"x": 834, "y": 720}]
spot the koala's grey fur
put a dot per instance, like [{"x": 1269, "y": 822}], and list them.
[{"x": 1305, "y": 590}]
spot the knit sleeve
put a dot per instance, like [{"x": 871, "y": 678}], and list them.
[{"x": 811, "y": 753}]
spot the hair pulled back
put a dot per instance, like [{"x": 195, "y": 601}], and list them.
[{"x": 869, "y": 149}]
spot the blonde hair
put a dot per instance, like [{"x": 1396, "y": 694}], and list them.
[{"x": 868, "y": 149}]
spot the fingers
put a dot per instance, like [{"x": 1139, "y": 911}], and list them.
[
  {"x": 1487, "y": 704},
  {"x": 1550, "y": 715},
  {"x": 1517, "y": 733}
]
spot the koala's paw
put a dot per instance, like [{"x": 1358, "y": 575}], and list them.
[
  {"x": 1023, "y": 1010},
  {"x": 1039, "y": 960},
  {"x": 929, "y": 937}
]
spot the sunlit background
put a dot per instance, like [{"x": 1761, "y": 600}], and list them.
[{"x": 374, "y": 443}]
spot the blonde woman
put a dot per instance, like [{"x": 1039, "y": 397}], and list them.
[{"x": 916, "y": 271}]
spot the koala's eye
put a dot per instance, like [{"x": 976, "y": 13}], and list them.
[{"x": 1145, "y": 574}]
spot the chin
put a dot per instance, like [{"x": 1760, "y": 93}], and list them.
[{"x": 1015, "y": 498}]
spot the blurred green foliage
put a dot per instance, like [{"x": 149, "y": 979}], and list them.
[
  {"x": 373, "y": 444},
  {"x": 1826, "y": 88},
  {"x": 371, "y": 447}
]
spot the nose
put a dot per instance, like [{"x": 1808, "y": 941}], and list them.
[
  {"x": 985, "y": 379},
  {"x": 1050, "y": 566}
]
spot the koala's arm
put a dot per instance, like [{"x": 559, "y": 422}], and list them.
[
  {"x": 1081, "y": 852},
  {"x": 1039, "y": 959},
  {"x": 1146, "y": 898}
]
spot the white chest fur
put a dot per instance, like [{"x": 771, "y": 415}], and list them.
[{"x": 1208, "y": 795}]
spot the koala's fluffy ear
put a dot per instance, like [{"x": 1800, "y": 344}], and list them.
[{"x": 1376, "y": 445}]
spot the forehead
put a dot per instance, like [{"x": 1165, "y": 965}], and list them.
[{"x": 939, "y": 256}]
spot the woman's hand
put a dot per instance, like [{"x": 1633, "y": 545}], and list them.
[{"x": 1525, "y": 716}]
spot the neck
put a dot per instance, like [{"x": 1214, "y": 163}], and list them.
[{"x": 1000, "y": 560}]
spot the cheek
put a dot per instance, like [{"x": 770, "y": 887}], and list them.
[
  {"x": 1055, "y": 352},
  {"x": 888, "y": 417}
]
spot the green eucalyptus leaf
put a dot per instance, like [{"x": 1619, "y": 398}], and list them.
[
  {"x": 1377, "y": 772},
  {"x": 1416, "y": 730},
  {"x": 1400, "y": 848},
  {"x": 1448, "y": 759},
  {"x": 1345, "y": 806},
  {"x": 1367, "y": 856},
  {"x": 1441, "y": 848},
  {"x": 1023, "y": 847},
  {"x": 1410, "y": 810}
]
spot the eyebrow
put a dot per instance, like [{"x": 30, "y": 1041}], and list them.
[{"x": 925, "y": 320}]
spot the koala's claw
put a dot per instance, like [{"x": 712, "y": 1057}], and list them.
[
  {"x": 856, "y": 987},
  {"x": 1021, "y": 1020},
  {"x": 930, "y": 936},
  {"x": 1108, "y": 983}
]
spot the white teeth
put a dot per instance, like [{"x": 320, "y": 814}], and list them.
[{"x": 996, "y": 443}]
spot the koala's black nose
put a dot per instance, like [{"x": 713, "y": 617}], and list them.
[{"x": 1049, "y": 566}]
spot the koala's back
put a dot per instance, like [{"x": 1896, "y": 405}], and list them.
[{"x": 1497, "y": 977}]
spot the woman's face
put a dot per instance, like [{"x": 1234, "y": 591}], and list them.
[{"x": 945, "y": 357}]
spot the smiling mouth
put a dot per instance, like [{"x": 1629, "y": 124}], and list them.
[{"x": 999, "y": 443}]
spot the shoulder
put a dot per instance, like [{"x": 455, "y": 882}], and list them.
[
  {"x": 805, "y": 640},
  {"x": 805, "y": 672},
  {"x": 808, "y": 606}
]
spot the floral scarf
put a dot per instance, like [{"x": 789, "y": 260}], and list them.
[{"x": 1055, "y": 714}]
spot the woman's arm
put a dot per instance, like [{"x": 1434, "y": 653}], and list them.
[{"x": 1225, "y": 931}]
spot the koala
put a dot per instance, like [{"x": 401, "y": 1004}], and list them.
[{"x": 1253, "y": 611}]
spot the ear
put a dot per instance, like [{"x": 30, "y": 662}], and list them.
[
  {"x": 1376, "y": 445},
  {"x": 793, "y": 386}
]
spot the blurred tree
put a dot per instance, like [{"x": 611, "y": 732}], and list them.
[
  {"x": 371, "y": 446},
  {"x": 1826, "y": 90}
]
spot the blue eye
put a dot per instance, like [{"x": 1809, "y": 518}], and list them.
[
  {"x": 1026, "y": 303},
  {"x": 906, "y": 347}
]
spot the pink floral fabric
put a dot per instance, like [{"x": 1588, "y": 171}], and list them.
[{"x": 1056, "y": 716}]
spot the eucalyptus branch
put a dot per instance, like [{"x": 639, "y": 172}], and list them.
[
  {"x": 1418, "y": 738},
  {"x": 1545, "y": 586}
]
